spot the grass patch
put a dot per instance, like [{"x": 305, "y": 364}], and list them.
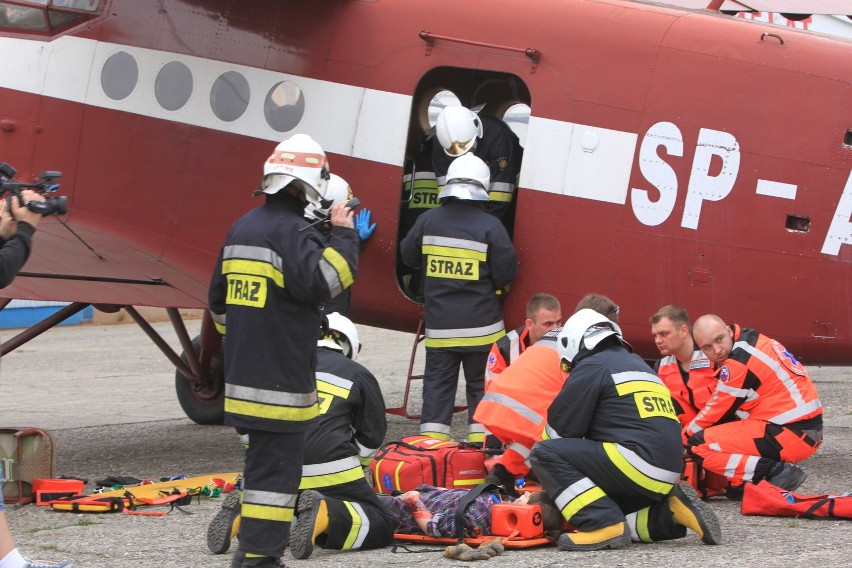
[{"x": 78, "y": 523}]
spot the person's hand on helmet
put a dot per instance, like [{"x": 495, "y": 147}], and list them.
[
  {"x": 362, "y": 224},
  {"x": 342, "y": 216}
]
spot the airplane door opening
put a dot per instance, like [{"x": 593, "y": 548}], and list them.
[{"x": 492, "y": 95}]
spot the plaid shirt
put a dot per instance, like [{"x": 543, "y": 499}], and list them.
[{"x": 442, "y": 503}]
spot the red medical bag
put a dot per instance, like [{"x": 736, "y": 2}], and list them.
[{"x": 416, "y": 460}]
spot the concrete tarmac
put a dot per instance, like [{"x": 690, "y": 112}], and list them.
[{"x": 106, "y": 394}]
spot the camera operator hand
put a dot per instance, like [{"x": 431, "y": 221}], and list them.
[
  {"x": 17, "y": 225},
  {"x": 13, "y": 210},
  {"x": 342, "y": 216}
]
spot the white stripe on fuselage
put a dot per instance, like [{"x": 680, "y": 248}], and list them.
[
  {"x": 347, "y": 120},
  {"x": 337, "y": 115},
  {"x": 560, "y": 157}
]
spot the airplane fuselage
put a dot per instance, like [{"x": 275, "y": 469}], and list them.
[{"x": 671, "y": 156}]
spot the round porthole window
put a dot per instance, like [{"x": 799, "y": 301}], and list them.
[
  {"x": 284, "y": 106},
  {"x": 119, "y": 75},
  {"x": 229, "y": 97},
  {"x": 173, "y": 86}
]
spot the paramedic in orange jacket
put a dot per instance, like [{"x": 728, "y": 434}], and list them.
[
  {"x": 684, "y": 369},
  {"x": 543, "y": 314},
  {"x": 514, "y": 408},
  {"x": 765, "y": 414}
]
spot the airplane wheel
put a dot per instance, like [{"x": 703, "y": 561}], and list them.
[{"x": 207, "y": 404}]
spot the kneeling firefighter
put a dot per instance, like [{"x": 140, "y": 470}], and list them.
[
  {"x": 337, "y": 508},
  {"x": 611, "y": 457}
]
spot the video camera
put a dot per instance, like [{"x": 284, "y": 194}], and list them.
[
  {"x": 323, "y": 215},
  {"x": 51, "y": 206}
]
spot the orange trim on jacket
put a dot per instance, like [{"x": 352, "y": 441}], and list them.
[
  {"x": 515, "y": 405},
  {"x": 692, "y": 395},
  {"x": 760, "y": 380}
]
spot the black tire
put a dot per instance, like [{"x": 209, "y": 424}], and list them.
[{"x": 205, "y": 405}]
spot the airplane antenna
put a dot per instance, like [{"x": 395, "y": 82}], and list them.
[{"x": 79, "y": 238}]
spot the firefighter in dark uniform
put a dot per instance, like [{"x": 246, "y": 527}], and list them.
[
  {"x": 466, "y": 256},
  {"x": 419, "y": 195},
  {"x": 267, "y": 286},
  {"x": 459, "y": 130},
  {"x": 338, "y": 509},
  {"x": 335, "y": 498},
  {"x": 339, "y": 192},
  {"x": 611, "y": 454}
]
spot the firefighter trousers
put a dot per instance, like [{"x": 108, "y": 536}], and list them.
[
  {"x": 746, "y": 450},
  {"x": 357, "y": 519},
  {"x": 440, "y": 381},
  {"x": 592, "y": 491},
  {"x": 270, "y": 487}
]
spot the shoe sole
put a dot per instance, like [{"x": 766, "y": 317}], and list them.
[
  {"x": 794, "y": 482},
  {"x": 799, "y": 481},
  {"x": 611, "y": 544},
  {"x": 302, "y": 529},
  {"x": 219, "y": 530},
  {"x": 706, "y": 517}
]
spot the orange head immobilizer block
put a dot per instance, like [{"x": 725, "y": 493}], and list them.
[{"x": 516, "y": 519}]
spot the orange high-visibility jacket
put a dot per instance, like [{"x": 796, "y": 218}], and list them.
[
  {"x": 691, "y": 395},
  {"x": 515, "y": 404},
  {"x": 760, "y": 380},
  {"x": 505, "y": 350}
]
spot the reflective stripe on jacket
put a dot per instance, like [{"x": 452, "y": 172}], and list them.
[
  {"x": 760, "y": 380},
  {"x": 505, "y": 350},
  {"x": 351, "y": 425},
  {"x": 612, "y": 396},
  {"x": 514, "y": 406},
  {"x": 264, "y": 294},
  {"x": 466, "y": 255},
  {"x": 690, "y": 396}
]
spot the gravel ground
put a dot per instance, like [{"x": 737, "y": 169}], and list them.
[{"x": 107, "y": 396}]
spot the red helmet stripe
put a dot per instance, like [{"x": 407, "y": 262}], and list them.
[{"x": 298, "y": 159}]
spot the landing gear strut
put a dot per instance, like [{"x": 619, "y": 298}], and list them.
[{"x": 199, "y": 375}]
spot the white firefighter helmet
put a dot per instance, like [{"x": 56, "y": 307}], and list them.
[
  {"x": 301, "y": 158},
  {"x": 587, "y": 328},
  {"x": 457, "y": 129},
  {"x": 342, "y": 336},
  {"x": 338, "y": 191},
  {"x": 468, "y": 178}
]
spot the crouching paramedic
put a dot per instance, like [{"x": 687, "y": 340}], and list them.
[
  {"x": 765, "y": 414},
  {"x": 514, "y": 407},
  {"x": 543, "y": 314},
  {"x": 684, "y": 369},
  {"x": 611, "y": 458},
  {"x": 272, "y": 274},
  {"x": 337, "y": 507}
]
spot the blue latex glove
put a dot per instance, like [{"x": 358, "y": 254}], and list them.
[{"x": 362, "y": 224}]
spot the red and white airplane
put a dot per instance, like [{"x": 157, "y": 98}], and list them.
[{"x": 674, "y": 153}]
